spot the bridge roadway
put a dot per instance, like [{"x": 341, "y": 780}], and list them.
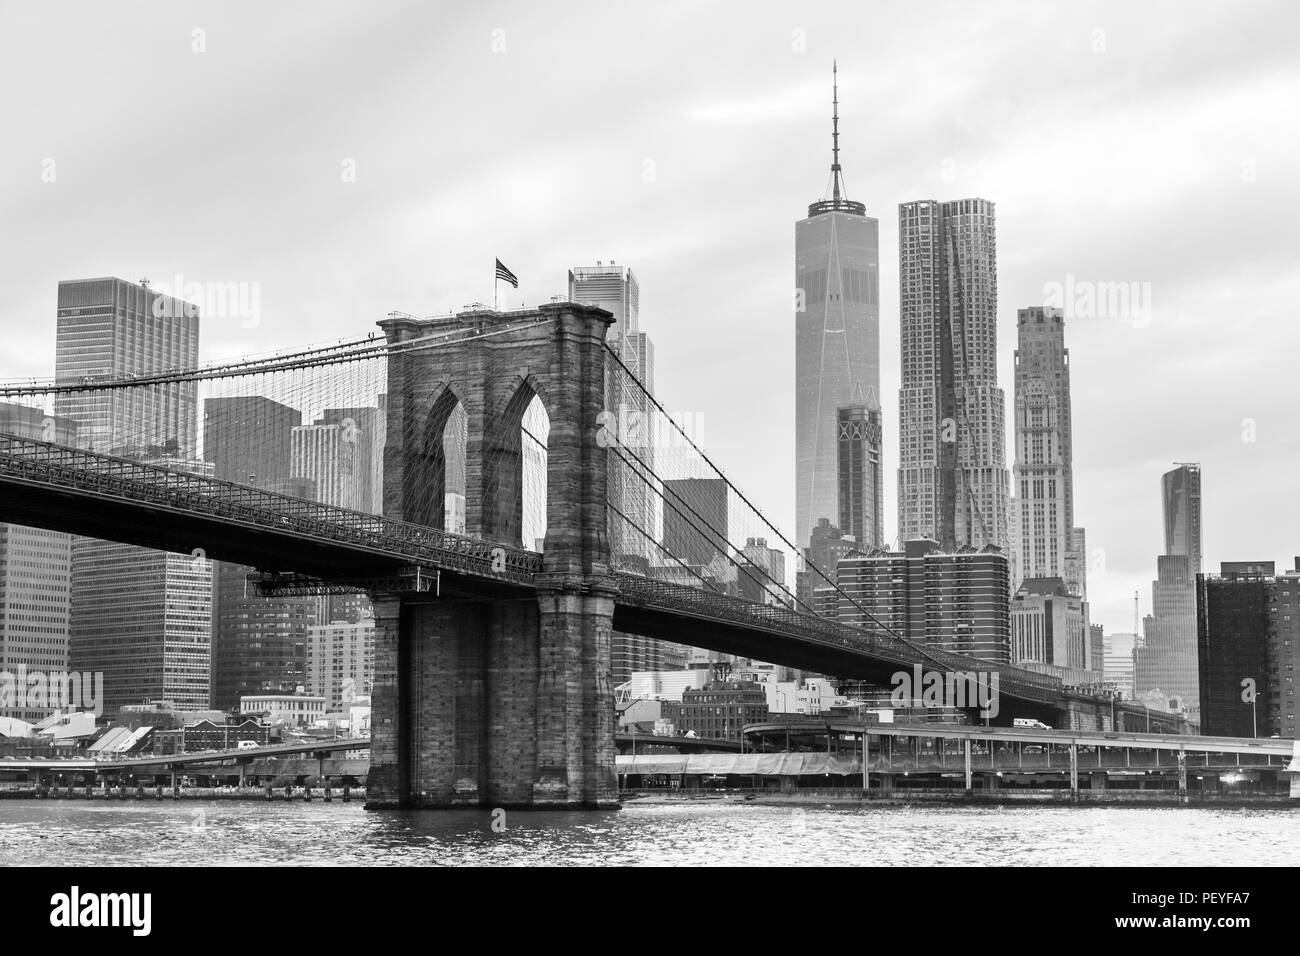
[
  {"x": 161, "y": 762},
  {"x": 67, "y": 489},
  {"x": 312, "y": 747},
  {"x": 1112, "y": 749}
]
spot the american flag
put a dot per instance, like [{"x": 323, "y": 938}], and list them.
[{"x": 506, "y": 274}]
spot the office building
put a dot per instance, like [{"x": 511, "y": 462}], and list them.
[
  {"x": 952, "y": 476},
  {"x": 258, "y": 643},
  {"x": 1047, "y": 541},
  {"x": 861, "y": 481},
  {"x": 110, "y": 329},
  {"x": 629, "y": 383},
  {"x": 761, "y": 576},
  {"x": 628, "y": 379},
  {"x": 340, "y": 661},
  {"x": 720, "y": 710},
  {"x": 1248, "y": 638},
  {"x": 1180, "y": 492},
  {"x": 1096, "y": 661},
  {"x": 366, "y": 428},
  {"x": 337, "y": 460},
  {"x": 1048, "y": 627},
  {"x": 826, "y": 546},
  {"x": 695, "y": 519},
  {"x": 1166, "y": 664},
  {"x": 956, "y": 601},
  {"x": 142, "y": 618},
  {"x": 837, "y": 336},
  {"x": 1118, "y": 665},
  {"x": 630, "y": 653},
  {"x": 35, "y": 575},
  {"x": 298, "y": 709}
]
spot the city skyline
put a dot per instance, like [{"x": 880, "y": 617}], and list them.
[{"x": 1126, "y": 429}]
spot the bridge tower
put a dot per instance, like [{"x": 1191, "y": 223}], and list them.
[{"x": 483, "y": 699}]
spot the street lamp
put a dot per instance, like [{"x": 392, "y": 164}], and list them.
[{"x": 781, "y": 694}]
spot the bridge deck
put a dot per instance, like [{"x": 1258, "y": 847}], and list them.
[{"x": 78, "y": 491}]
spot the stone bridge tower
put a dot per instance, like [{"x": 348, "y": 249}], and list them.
[{"x": 498, "y": 699}]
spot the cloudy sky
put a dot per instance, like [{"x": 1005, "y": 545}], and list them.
[{"x": 1150, "y": 143}]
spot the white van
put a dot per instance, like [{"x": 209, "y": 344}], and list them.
[
  {"x": 1029, "y": 722},
  {"x": 247, "y": 745}
]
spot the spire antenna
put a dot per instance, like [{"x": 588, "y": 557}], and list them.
[
  {"x": 835, "y": 130},
  {"x": 839, "y": 199}
]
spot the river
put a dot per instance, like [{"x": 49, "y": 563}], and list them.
[{"x": 695, "y": 833}]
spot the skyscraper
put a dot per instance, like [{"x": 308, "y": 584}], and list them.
[
  {"x": 1180, "y": 492},
  {"x": 142, "y": 618},
  {"x": 1237, "y": 641},
  {"x": 1046, "y": 538},
  {"x": 837, "y": 336},
  {"x": 1048, "y": 628},
  {"x": 35, "y": 570},
  {"x": 629, "y": 383},
  {"x": 861, "y": 482},
  {"x": 952, "y": 476},
  {"x": 615, "y": 288},
  {"x": 695, "y": 519},
  {"x": 1167, "y": 661},
  {"x": 827, "y": 544},
  {"x": 343, "y": 453},
  {"x": 258, "y": 643},
  {"x": 111, "y": 329}
]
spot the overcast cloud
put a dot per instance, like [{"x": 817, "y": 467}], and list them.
[{"x": 1152, "y": 143}]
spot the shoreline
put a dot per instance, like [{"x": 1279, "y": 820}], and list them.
[
  {"x": 1024, "y": 798},
  {"x": 851, "y": 798}
]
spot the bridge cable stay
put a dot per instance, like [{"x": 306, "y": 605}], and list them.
[
  {"x": 699, "y": 522},
  {"x": 308, "y": 425},
  {"x": 703, "y": 500}
]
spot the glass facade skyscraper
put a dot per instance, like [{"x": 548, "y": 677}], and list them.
[
  {"x": 258, "y": 643},
  {"x": 35, "y": 574},
  {"x": 142, "y": 618},
  {"x": 1168, "y": 660},
  {"x": 615, "y": 288},
  {"x": 837, "y": 338}
]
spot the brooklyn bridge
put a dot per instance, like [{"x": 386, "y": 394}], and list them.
[{"x": 493, "y": 615}]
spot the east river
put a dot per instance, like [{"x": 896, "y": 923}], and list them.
[{"x": 698, "y": 833}]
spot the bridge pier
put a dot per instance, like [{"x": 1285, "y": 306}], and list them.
[{"x": 488, "y": 699}]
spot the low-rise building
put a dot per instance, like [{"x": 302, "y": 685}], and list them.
[
  {"x": 209, "y": 735},
  {"x": 719, "y": 710},
  {"x": 299, "y": 710}
]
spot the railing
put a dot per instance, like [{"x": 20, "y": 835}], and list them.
[
  {"x": 641, "y": 591},
  {"x": 60, "y": 466},
  {"x": 26, "y": 459}
]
